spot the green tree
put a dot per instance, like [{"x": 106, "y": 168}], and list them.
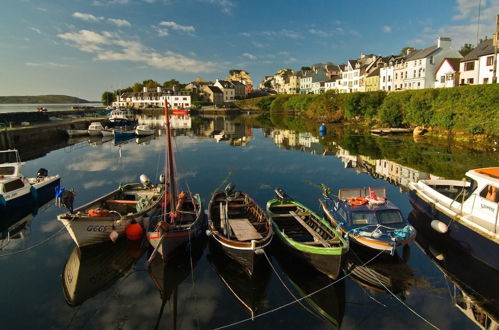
[
  {"x": 108, "y": 98},
  {"x": 466, "y": 49},
  {"x": 137, "y": 87},
  {"x": 151, "y": 84}
]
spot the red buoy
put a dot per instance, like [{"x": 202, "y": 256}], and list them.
[{"x": 134, "y": 231}]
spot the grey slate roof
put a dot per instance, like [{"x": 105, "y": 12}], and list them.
[
  {"x": 422, "y": 53},
  {"x": 483, "y": 48},
  {"x": 226, "y": 84},
  {"x": 215, "y": 89}
]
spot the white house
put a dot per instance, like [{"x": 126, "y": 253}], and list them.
[
  {"x": 154, "y": 98},
  {"x": 421, "y": 64},
  {"x": 227, "y": 88},
  {"x": 470, "y": 65},
  {"x": 447, "y": 73},
  {"x": 387, "y": 74}
]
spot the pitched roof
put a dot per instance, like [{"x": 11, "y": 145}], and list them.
[
  {"x": 422, "y": 53},
  {"x": 374, "y": 73},
  {"x": 215, "y": 89},
  {"x": 484, "y": 48},
  {"x": 453, "y": 62},
  {"x": 226, "y": 84}
]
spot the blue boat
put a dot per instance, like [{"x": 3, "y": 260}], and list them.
[
  {"x": 17, "y": 191},
  {"x": 464, "y": 211},
  {"x": 368, "y": 218}
]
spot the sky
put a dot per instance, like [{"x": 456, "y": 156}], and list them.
[{"x": 85, "y": 47}]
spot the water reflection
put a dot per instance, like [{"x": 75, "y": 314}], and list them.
[
  {"x": 91, "y": 270},
  {"x": 472, "y": 284},
  {"x": 249, "y": 291},
  {"x": 168, "y": 276},
  {"x": 323, "y": 298}
]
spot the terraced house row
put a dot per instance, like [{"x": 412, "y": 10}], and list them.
[{"x": 436, "y": 66}]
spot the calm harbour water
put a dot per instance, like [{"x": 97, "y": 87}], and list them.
[{"x": 115, "y": 289}]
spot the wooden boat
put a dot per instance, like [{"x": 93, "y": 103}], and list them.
[
  {"x": 143, "y": 130},
  {"x": 16, "y": 190},
  {"x": 368, "y": 218},
  {"x": 107, "y": 217},
  {"x": 466, "y": 211},
  {"x": 90, "y": 271},
  {"x": 181, "y": 218},
  {"x": 239, "y": 226},
  {"x": 306, "y": 235}
]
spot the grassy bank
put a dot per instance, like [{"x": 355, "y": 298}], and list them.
[
  {"x": 467, "y": 109},
  {"x": 41, "y": 99}
]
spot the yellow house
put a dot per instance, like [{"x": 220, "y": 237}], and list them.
[{"x": 372, "y": 81}]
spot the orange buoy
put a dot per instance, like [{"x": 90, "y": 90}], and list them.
[
  {"x": 134, "y": 231},
  {"x": 98, "y": 212},
  {"x": 357, "y": 201}
]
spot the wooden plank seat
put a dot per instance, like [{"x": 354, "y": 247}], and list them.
[
  {"x": 243, "y": 229},
  {"x": 121, "y": 201},
  {"x": 312, "y": 232}
]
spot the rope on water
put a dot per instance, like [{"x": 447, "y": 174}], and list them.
[
  {"x": 395, "y": 296},
  {"x": 295, "y": 301},
  {"x": 284, "y": 284}
]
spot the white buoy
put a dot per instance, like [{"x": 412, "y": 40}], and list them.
[
  {"x": 144, "y": 179},
  {"x": 439, "y": 226},
  {"x": 208, "y": 232}
]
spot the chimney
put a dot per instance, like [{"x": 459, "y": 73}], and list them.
[
  {"x": 158, "y": 89},
  {"x": 144, "y": 89},
  {"x": 443, "y": 42}
]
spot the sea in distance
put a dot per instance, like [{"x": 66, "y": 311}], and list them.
[
  {"x": 50, "y": 107},
  {"x": 48, "y": 283}
]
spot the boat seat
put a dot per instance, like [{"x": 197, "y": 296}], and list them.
[{"x": 244, "y": 230}]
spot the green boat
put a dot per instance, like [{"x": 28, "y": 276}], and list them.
[{"x": 306, "y": 235}]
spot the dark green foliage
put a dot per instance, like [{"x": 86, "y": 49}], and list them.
[
  {"x": 352, "y": 105},
  {"x": 265, "y": 102},
  {"x": 108, "y": 98},
  {"x": 391, "y": 111}
]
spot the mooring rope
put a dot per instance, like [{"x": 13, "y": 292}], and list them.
[
  {"x": 295, "y": 301},
  {"x": 284, "y": 284}
]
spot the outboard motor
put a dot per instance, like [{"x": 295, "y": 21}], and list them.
[
  {"x": 144, "y": 179},
  {"x": 281, "y": 194},
  {"x": 229, "y": 189},
  {"x": 42, "y": 173}
]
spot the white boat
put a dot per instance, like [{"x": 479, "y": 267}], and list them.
[
  {"x": 107, "y": 217},
  {"x": 107, "y": 132},
  {"x": 15, "y": 189},
  {"x": 95, "y": 129},
  {"x": 122, "y": 115},
  {"x": 465, "y": 211},
  {"x": 143, "y": 130}
]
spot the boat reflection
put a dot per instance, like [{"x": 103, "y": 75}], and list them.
[
  {"x": 15, "y": 225},
  {"x": 249, "y": 291},
  {"x": 385, "y": 274},
  {"x": 474, "y": 285},
  {"x": 92, "y": 270},
  {"x": 326, "y": 300},
  {"x": 168, "y": 276}
]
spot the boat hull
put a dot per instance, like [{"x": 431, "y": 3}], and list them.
[{"x": 463, "y": 237}]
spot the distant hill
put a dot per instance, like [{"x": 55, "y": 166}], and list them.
[{"x": 41, "y": 99}]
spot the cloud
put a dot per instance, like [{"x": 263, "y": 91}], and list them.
[
  {"x": 119, "y": 22},
  {"x": 226, "y": 5},
  {"x": 86, "y": 17},
  {"x": 249, "y": 56},
  {"x": 110, "y": 2},
  {"x": 178, "y": 27},
  {"x": 36, "y": 30},
  {"x": 46, "y": 64},
  {"x": 319, "y": 33},
  {"x": 386, "y": 29},
  {"x": 109, "y": 46}
]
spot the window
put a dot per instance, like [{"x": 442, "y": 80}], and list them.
[
  {"x": 469, "y": 66},
  {"x": 470, "y": 81},
  {"x": 13, "y": 185},
  {"x": 432, "y": 60},
  {"x": 442, "y": 79},
  {"x": 389, "y": 217},
  {"x": 7, "y": 170},
  {"x": 485, "y": 80},
  {"x": 490, "y": 60}
]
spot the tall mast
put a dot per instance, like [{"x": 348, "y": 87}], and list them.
[{"x": 169, "y": 161}]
